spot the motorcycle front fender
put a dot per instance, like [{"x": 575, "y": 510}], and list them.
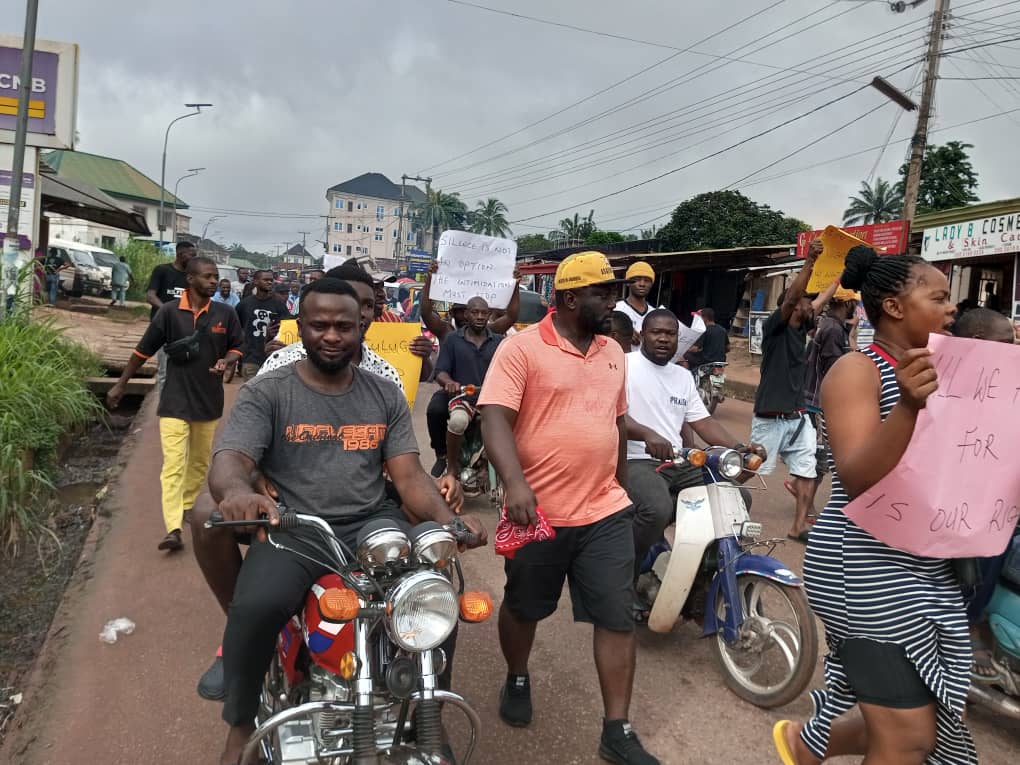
[{"x": 753, "y": 565}]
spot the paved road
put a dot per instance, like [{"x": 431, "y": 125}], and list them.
[{"x": 134, "y": 702}]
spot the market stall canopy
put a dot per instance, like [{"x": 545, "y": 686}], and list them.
[{"x": 80, "y": 200}]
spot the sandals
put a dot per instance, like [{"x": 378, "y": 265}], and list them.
[
  {"x": 802, "y": 537},
  {"x": 982, "y": 670},
  {"x": 782, "y": 745}
]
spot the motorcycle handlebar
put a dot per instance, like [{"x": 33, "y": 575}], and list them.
[{"x": 288, "y": 521}]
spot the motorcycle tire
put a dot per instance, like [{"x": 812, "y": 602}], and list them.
[
  {"x": 803, "y": 668},
  {"x": 707, "y": 396}
]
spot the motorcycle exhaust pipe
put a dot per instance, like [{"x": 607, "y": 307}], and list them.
[{"x": 996, "y": 700}]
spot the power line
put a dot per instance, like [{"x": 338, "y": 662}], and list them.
[
  {"x": 777, "y": 102},
  {"x": 662, "y": 88},
  {"x": 605, "y": 89},
  {"x": 742, "y": 95},
  {"x": 701, "y": 159}
]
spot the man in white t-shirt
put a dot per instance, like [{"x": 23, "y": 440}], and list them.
[
  {"x": 661, "y": 398},
  {"x": 640, "y": 277}
]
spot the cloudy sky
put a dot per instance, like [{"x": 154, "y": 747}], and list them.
[{"x": 547, "y": 118}]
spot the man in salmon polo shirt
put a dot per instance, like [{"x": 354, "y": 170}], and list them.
[{"x": 553, "y": 405}]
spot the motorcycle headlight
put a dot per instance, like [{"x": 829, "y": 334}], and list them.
[
  {"x": 422, "y": 609},
  {"x": 381, "y": 542},
  {"x": 728, "y": 463},
  {"x": 433, "y": 544}
]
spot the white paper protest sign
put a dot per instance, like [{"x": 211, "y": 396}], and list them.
[
  {"x": 474, "y": 265},
  {"x": 689, "y": 335}
]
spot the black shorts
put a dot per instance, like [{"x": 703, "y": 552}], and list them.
[
  {"x": 598, "y": 562},
  {"x": 881, "y": 674}
]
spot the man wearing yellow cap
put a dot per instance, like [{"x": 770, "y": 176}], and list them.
[
  {"x": 553, "y": 421},
  {"x": 641, "y": 277}
]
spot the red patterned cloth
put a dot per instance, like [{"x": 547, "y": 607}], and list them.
[{"x": 510, "y": 537}]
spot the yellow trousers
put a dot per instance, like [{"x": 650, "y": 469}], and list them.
[{"x": 187, "y": 449}]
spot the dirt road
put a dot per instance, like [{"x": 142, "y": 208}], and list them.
[{"x": 134, "y": 702}]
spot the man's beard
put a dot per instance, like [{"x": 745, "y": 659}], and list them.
[{"x": 329, "y": 367}]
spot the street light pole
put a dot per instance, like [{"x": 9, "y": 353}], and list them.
[
  {"x": 12, "y": 245},
  {"x": 161, "y": 223},
  {"x": 206, "y": 227},
  {"x": 193, "y": 171}
]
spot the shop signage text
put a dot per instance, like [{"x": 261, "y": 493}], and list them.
[{"x": 972, "y": 239}]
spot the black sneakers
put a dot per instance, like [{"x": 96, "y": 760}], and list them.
[
  {"x": 620, "y": 745},
  {"x": 515, "y": 701},
  {"x": 212, "y": 685}
]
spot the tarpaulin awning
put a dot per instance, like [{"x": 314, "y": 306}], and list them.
[{"x": 79, "y": 200}]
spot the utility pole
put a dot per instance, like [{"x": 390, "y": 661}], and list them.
[
  {"x": 12, "y": 244},
  {"x": 920, "y": 138},
  {"x": 400, "y": 248},
  {"x": 303, "y": 235}
]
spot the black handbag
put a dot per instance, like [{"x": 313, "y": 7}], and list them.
[{"x": 185, "y": 349}]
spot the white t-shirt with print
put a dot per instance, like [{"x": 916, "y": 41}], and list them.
[
  {"x": 662, "y": 398},
  {"x": 636, "y": 318}
]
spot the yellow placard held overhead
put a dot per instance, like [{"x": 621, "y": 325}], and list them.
[
  {"x": 836, "y": 243},
  {"x": 288, "y": 332},
  {"x": 390, "y": 340}
]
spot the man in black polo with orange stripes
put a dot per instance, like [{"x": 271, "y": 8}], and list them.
[{"x": 201, "y": 339}]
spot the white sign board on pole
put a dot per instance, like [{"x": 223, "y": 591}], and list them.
[{"x": 474, "y": 265}]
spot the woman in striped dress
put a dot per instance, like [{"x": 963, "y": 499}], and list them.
[{"x": 895, "y": 624}]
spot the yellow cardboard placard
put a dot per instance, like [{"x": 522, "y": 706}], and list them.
[
  {"x": 836, "y": 243},
  {"x": 288, "y": 332},
  {"x": 391, "y": 340}
]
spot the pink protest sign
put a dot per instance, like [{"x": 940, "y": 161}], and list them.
[{"x": 956, "y": 491}]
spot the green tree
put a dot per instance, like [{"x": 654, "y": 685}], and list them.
[
  {"x": 534, "y": 243},
  {"x": 439, "y": 212},
  {"x": 948, "y": 178},
  {"x": 489, "y": 218},
  {"x": 604, "y": 237},
  {"x": 650, "y": 233},
  {"x": 874, "y": 204},
  {"x": 575, "y": 230},
  {"x": 724, "y": 219}
]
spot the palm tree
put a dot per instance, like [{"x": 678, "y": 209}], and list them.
[
  {"x": 439, "y": 212},
  {"x": 489, "y": 218},
  {"x": 577, "y": 229},
  {"x": 874, "y": 204}
]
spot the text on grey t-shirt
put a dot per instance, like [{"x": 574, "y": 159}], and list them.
[{"x": 323, "y": 453}]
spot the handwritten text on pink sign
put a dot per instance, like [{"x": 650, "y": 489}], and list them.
[{"x": 955, "y": 493}]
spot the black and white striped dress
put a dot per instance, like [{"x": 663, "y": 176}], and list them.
[{"x": 862, "y": 588}]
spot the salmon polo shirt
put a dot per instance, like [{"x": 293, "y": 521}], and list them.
[{"x": 567, "y": 404}]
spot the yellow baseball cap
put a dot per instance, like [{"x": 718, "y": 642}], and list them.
[
  {"x": 583, "y": 269},
  {"x": 640, "y": 269}
]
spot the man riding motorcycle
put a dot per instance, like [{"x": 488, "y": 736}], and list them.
[
  {"x": 463, "y": 360},
  {"x": 217, "y": 550},
  {"x": 664, "y": 395},
  {"x": 322, "y": 432}
]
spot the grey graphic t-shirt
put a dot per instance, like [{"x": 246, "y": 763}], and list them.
[{"x": 323, "y": 453}]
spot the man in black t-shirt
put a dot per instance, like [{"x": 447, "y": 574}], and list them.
[
  {"x": 168, "y": 282},
  {"x": 713, "y": 344},
  {"x": 780, "y": 420},
  {"x": 257, "y": 312},
  {"x": 192, "y": 401}
]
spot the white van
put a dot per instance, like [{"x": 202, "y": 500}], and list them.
[{"x": 80, "y": 273}]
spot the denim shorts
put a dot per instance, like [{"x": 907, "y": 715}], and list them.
[{"x": 795, "y": 441}]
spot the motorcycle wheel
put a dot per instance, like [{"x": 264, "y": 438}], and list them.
[
  {"x": 707, "y": 398},
  {"x": 772, "y": 661}
]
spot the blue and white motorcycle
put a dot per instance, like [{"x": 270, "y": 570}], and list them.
[
  {"x": 1002, "y": 693},
  {"x": 752, "y": 606}
]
